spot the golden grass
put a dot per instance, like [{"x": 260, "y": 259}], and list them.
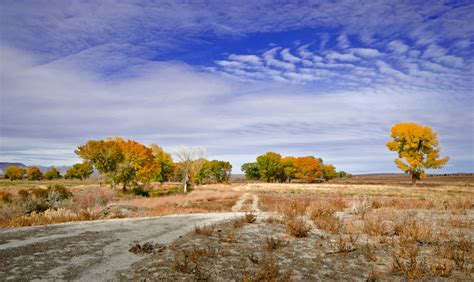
[{"x": 201, "y": 199}]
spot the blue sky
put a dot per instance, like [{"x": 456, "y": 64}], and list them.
[{"x": 238, "y": 78}]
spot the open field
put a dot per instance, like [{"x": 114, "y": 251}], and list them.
[{"x": 329, "y": 231}]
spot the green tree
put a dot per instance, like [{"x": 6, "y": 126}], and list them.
[
  {"x": 289, "y": 168},
  {"x": 251, "y": 171},
  {"x": 104, "y": 155},
  {"x": 51, "y": 174},
  {"x": 270, "y": 166},
  {"x": 164, "y": 164},
  {"x": 214, "y": 172},
  {"x": 14, "y": 172},
  {"x": 79, "y": 171},
  {"x": 329, "y": 171},
  {"x": 417, "y": 147},
  {"x": 34, "y": 173}
]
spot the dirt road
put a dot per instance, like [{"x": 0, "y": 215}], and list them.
[{"x": 88, "y": 251}]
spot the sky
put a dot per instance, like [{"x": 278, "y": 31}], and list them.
[{"x": 238, "y": 78}]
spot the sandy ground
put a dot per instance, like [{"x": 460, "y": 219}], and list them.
[{"x": 89, "y": 251}]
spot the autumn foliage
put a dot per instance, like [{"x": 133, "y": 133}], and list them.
[
  {"x": 271, "y": 167},
  {"x": 417, "y": 147}
]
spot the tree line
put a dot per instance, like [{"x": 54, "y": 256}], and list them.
[
  {"x": 129, "y": 163},
  {"x": 272, "y": 167}
]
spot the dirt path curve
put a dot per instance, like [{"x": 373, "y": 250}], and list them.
[
  {"x": 239, "y": 205},
  {"x": 88, "y": 251}
]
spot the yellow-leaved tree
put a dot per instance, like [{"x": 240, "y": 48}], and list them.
[{"x": 417, "y": 147}]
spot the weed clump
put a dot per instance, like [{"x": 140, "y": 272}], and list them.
[{"x": 298, "y": 227}]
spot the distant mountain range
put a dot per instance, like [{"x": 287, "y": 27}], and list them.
[{"x": 4, "y": 165}]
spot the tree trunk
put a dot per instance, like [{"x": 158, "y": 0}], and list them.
[
  {"x": 113, "y": 186},
  {"x": 413, "y": 180},
  {"x": 186, "y": 184}
]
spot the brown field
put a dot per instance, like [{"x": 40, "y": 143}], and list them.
[
  {"x": 362, "y": 228},
  {"x": 330, "y": 232}
]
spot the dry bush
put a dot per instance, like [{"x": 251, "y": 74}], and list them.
[
  {"x": 328, "y": 222},
  {"x": 413, "y": 229},
  {"x": 344, "y": 244},
  {"x": 247, "y": 218},
  {"x": 338, "y": 203},
  {"x": 407, "y": 262},
  {"x": 361, "y": 206},
  {"x": 229, "y": 237},
  {"x": 250, "y": 217},
  {"x": 460, "y": 204},
  {"x": 297, "y": 227},
  {"x": 50, "y": 216},
  {"x": 376, "y": 203},
  {"x": 205, "y": 230},
  {"x": 190, "y": 260},
  {"x": 92, "y": 197},
  {"x": 273, "y": 219},
  {"x": 375, "y": 226},
  {"x": 6, "y": 197},
  {"x": 295, "y": 208},
  {"x": 272, "y": 243},
  {"x": 368, "y": 251},
  {"x": 457, "y": 249},
  {"x": 269, "y": 270},
  {"x": 441, "y": 267},
  {"x": 9, "y": 213}
]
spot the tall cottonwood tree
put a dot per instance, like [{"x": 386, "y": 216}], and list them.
[
  {"x": 417, "y": 147},
  {"x": 164, "y": 162},
  {"x": 105, "y": 155},
  {"x": 270, "y": 167}
]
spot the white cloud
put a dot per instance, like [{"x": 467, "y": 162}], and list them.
[
  {"x": 397, "y": 47},
  {"x": 366, "y": 52},
  {"x": 269, "y": 57},
  {"x": 463, "y": 44},
  {"x": 225, "y": 63},
  {"x": 287, "y": 56},
  {"x": 251, "y": 59},
  {"x": 343, "y": 41},
  {"x": 348, "y": 57},
  {"x": 451, "y": 60},
  {"x": 434, "y": 51}
]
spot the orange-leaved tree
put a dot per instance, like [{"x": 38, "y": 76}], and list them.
[
  {"x": 308, "y": 168},
  {"x": 417, "y": 147}
]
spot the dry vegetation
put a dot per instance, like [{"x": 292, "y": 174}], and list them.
[
  {"x": 25, "y": 203},
  {"x": 307, "y": 232},
  {"x": 331, "y": 232}
]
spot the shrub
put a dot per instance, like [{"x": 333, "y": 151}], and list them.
[
  {"x": 204, "y": 230},
  {"x": 297, "y": 227},
  {"x": 328, "y": 222},
  {"x": 60, "y": 192},
  {"x": 139, "y": 191},
  {"x": 6, "y": 197},
  {"x": 272, "y": 243}
]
